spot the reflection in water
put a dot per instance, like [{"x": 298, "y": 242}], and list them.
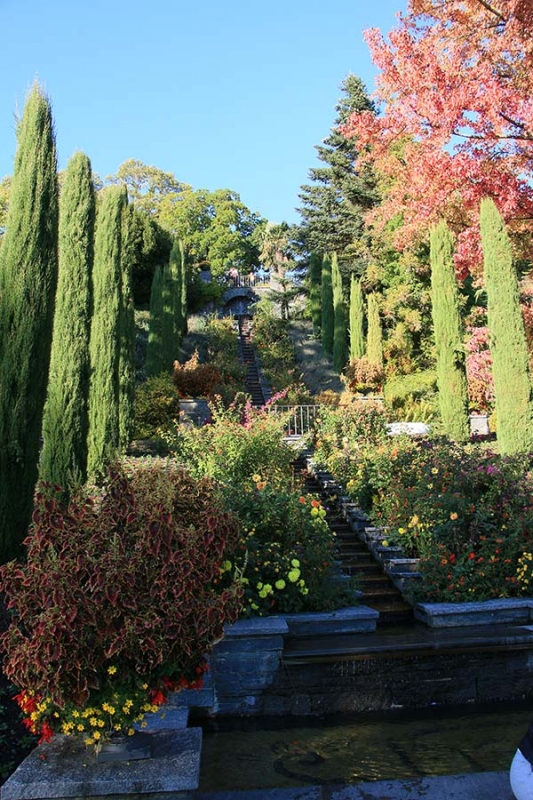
[{"x": 255, "y": 754}]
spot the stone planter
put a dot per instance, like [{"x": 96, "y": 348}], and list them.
[
  {"x": 479, "y": 424},
  {"x": 195, "y": 411}
]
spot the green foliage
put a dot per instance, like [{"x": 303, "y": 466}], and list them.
[
  {"x": 274, "y": 347},
  {"x": 148, "y": 245},
  {"x": 155, "y": 363},
  {"x": 508, "y": 347},
  {"x": 104, "y": 390},
  {"x": 239, "y": 442},
  {"x": 28, "y": 277},
  {"x": 374, "y": 339},
  {"x": 135, "y": 577},
  {"x": 183, "y": 297},
  {"x": 451, "y": 367},
  {"x": 334, "y": 203},
  {"x": 315, "y": 280},
  {"x": 340, "y": 327},
  {"x": 328, "y": 318},
  {"x": 156, "y": 404},
  {"x": 357, "y": 339},
  {"x": 65, "y": 421},
  {"x": 127, "y": 333},
  {"x": 286, "y": 554}
]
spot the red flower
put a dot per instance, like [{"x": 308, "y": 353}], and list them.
[
  {"x": 46, "y": 733},
  {"x": 158, "y": 697},
  {"x": 472, "y": 556}
]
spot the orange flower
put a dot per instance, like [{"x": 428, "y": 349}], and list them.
[
  {"x": 315, "y": 503},
  {"x": 301, "y": 499},
  {"x": 454, "y": 515}
]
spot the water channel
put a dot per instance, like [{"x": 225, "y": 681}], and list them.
[{"x": 250, "y": 753}]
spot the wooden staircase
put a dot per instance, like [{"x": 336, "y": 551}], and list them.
[{"x": 356, "y": 559}]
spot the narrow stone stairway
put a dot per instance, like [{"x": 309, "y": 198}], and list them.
[
  {"x": 357, "y": 561},
  {"x": 252, "y": 380}
]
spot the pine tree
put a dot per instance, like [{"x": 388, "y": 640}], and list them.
[
  {"x": 155, "y": 364},
  {"x": 104, "y": 347},
  {"x": 334, "y": 203},
  {"x": 340, "y": 328},
  {"x": 126, "y": 410},
  {"x": 28, "y": 279},
  {"x": 315, "y": 276},
  {"x": 451, "y": 366},
  {"x": 357, "y": 339},
  {"x": 374, "y": 342},
  {"x": 65, "y": 420},
  {"x": 512, "y": 381},
  {"x": 328, "y": 321}
]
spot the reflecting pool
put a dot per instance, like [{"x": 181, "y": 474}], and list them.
[{"x": 264, "y": 753}]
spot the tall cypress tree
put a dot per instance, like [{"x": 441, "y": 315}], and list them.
[
  {"x": 168, "y": 330},
  {"x": 328, "y": 321},
  {"x": 357, "y": 339},
  {"x": 155, "y": 364},
  {"x": 315, "y": 279},
  {"x": 28, "y": 279},
  {"x": 451, "y": 366},
  {"x": 512, "y": 381},
  {"x": 65, "y": 420},
  {"x": 374, "y": 339},
  {"x": 340, "y": 328},
  {"x": 103, "y": 439},
  {"x": 126, "y": 410},
  {"x": 183, "y": 292}
]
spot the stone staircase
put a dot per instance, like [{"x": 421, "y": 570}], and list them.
[
  {"x": 356, "y": 558},
  {"x": 253, "y": 383}
]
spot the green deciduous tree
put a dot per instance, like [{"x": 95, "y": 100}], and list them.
[
  {"x": 340, "y": 327},
  {"x": 104, "y": 391},
  {"x": 328, "y": 320},
  {"x": 512, "y": 381},
  {"x": 155, "y": 361},
  {"x": 451, "y": 366},
  {"x": 65, "y": 420},
  {"x": 374, "y": 339},
  {"x": 357, "y": 339},
  {"x": 28, "y": 278}
]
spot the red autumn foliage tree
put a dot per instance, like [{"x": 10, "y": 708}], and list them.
[{"x": 456, "y": 84}]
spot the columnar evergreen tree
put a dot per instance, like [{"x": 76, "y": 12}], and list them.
[
  {"x": 374, "y": 339},
  {"x": 340, "y": 327},
  {"x": 168, "y": 330},
  {"x": 104, "y": 348},
  {"x": 328, "y": 321},
  {"x": 357, "y": 338},
  {"x": 512, "y": 381},
  {"x": 65, "y": 420},
  {"x": 28, "y": 279},
  {"x": 183, "y": 292},
  {"x": 451, "y": 363},
  {"x": 126, "y": 377},
  {"x": 155, "y": 362},
  {"x": 315, "y": 279}
]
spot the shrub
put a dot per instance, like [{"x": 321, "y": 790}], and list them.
[
  {"x": 119, "y": 598},
  {"x": 364, "y": 376},
  {"x": 193, "y": 379},
  {"x": 286, "y": 554},
  {"x": 405, "y": 391},
  {"x": 240, "y": 441},
  {"x": 156, "y": 404}
]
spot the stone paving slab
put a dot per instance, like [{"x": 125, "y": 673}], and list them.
[
  {"x": 64, "y": 768},
  {"x": 475, "y": 786}
]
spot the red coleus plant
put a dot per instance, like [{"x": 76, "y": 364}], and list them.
[{"x": 121, "y": 590}]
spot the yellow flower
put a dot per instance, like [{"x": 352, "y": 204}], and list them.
[
  {"x": 97, "y": 735},
  {"x": 256, "y": 478},
  {"x": 93, "y": 721},
  {"x": 295, "y": 562},
  {"x": 434, "y": 471},
  {"x": 293, "y": 575},
  {"x": 414, "y": 521},
  {"x": 454, "y": 515},
  {"x": 280, "y": 584},
  {"x": 79, "y": 727},
  {"x": 401, "y": 530},
  {"x": 111, "y": 670}
]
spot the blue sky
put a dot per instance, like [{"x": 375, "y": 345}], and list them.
[{"x": 230, "y": 94}]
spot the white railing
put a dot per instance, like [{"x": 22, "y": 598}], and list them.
[{"x": 300, "y": 419}]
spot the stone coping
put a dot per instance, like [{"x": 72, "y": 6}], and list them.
[
  {"x": 485, "y": 612},
  {"x": 354, "y": 619},
  {"x": 65, "y": 768}
]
